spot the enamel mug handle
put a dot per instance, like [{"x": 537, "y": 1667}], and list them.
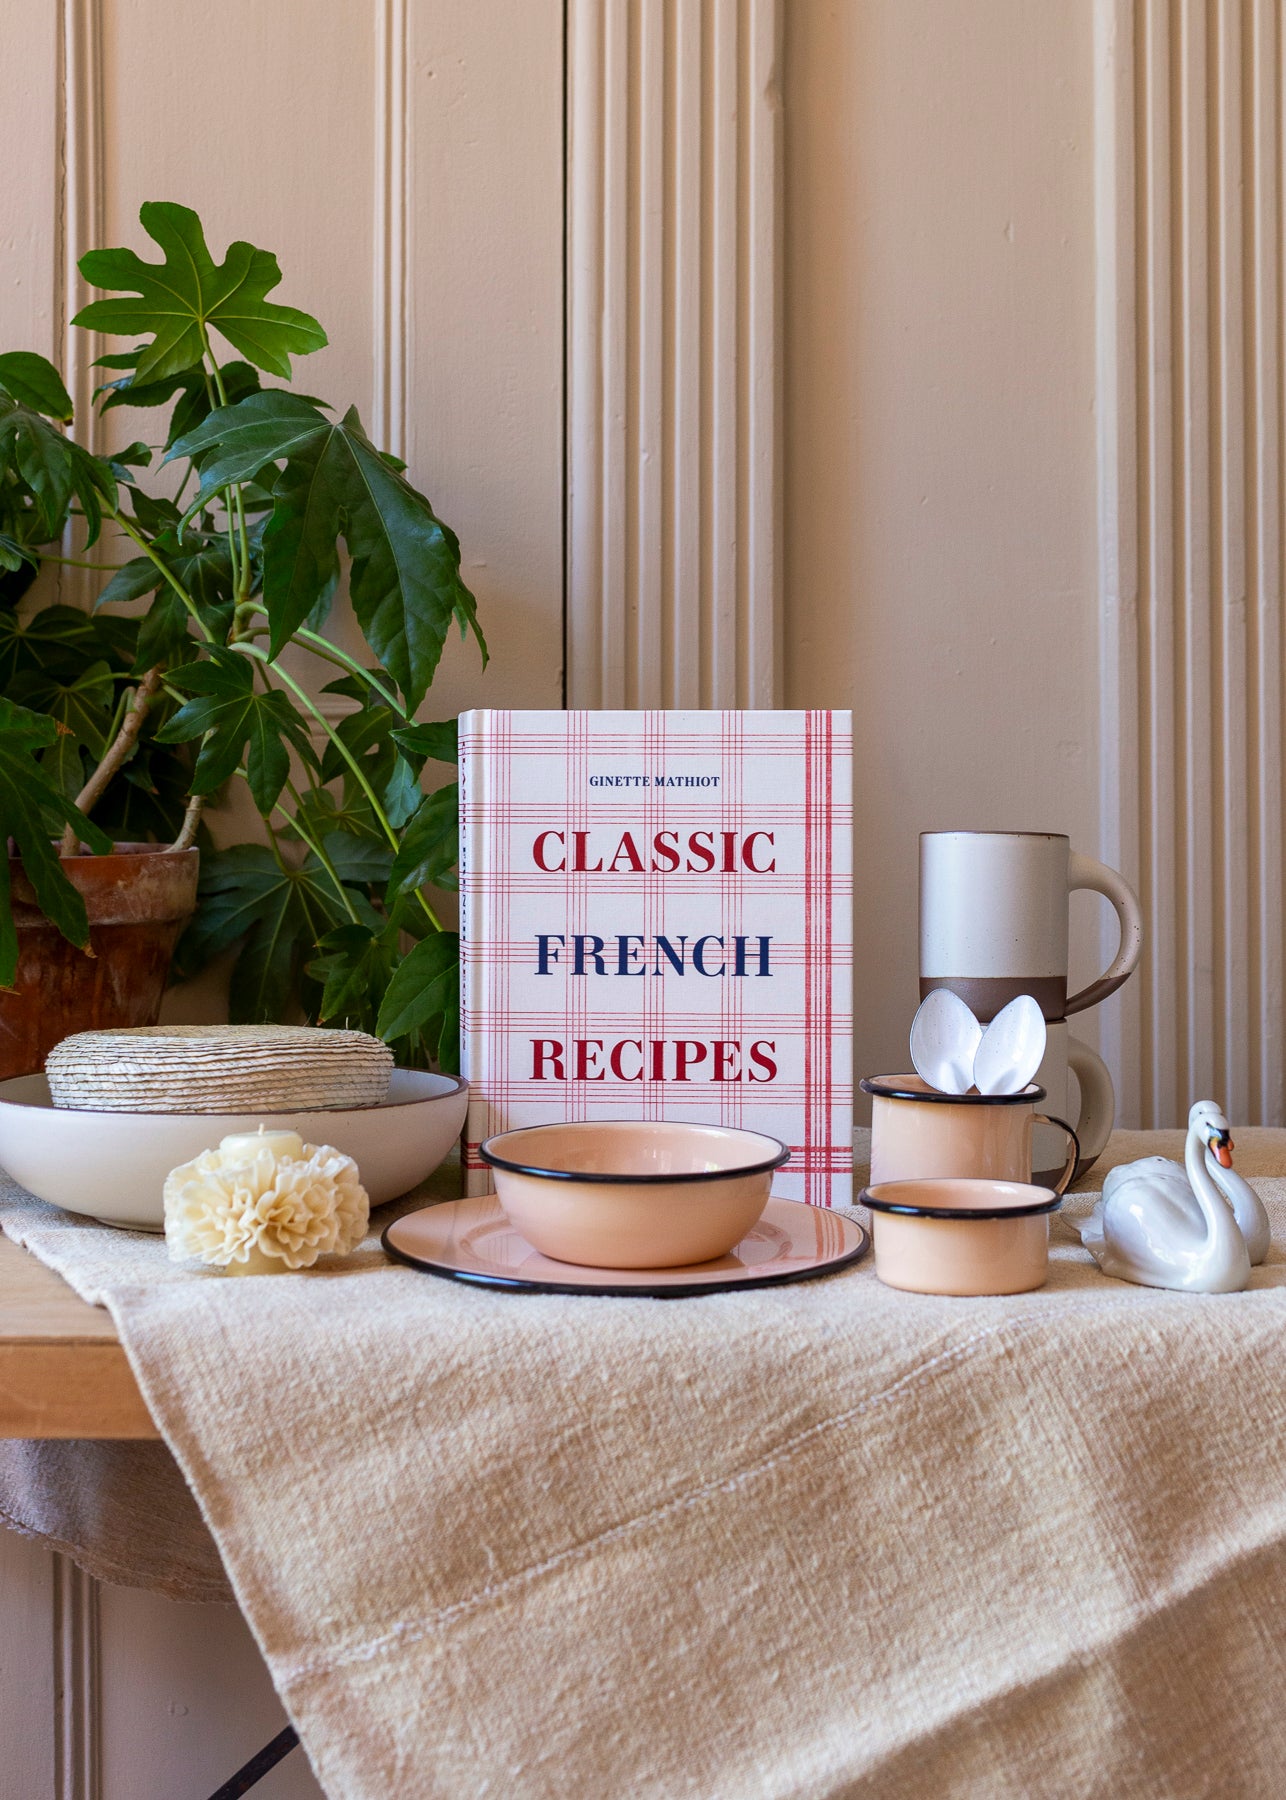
[
  {"x": 1084, "y": 872},
  {"x": 1073, "y": 1156}
]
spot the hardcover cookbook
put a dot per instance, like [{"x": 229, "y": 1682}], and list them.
[{"x": 656, "y": 923}]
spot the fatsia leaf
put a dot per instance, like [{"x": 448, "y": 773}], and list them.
[
  {"x": 239, "y": 379},
  {"x": 402, "y": 794},
  {"x": 234, "y": 716},
  {"x": 53, "y": 637},
  {"x": 53, "y": 468},
  {"x": 164, "y": 631},
  {"x": 134, "y": 456},
  {"x": 437, "y": 738},
  {"x": 358, "y": 861},
  {"x": 13, "y": 554},
  {"x": 130, "y": 582},
  {"x": 202, "y": 566},
  {"x": 280, "y": 914},
  {"x": 405, "y": 583},
  {"x": 128, "y": 390},
  {"x": 234, "y": 442},
  {"x": 29, "y": 804},
  {"x": 352, "y": 812},
  {"x": 424, "y": 996},
  {"x": 155, "y": 513},
  {"x": 360, "y": 732},
  {"x": 36, "y": 383},
  {"x": 430, "y": 846},
  {"x": 82, "y": 704},
  {"x": 354, "y": 964},
  {"x": 178, "y": 300}
]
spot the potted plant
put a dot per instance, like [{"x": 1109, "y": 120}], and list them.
[{"x": 123, "y": 723}]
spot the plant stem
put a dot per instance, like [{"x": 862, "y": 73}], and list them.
[
  {"x": 117, "y": 752},
  {"x": 168, "y": 573},
  {"x": 315, "y": 845},
  {"x": 275, "y": 844},
  {"x": 237, "y": 508},
  {"x": 331, "y": 653},
  {"x": 309, "y": 705},
  {"x": 191, "y": 819}
]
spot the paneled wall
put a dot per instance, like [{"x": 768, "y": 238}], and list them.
[
  {"x": 939, "y": 454},
  {"x": 1191, "y": 248},
  {"x": 674, "y": 352},
  {"x": 404, "y": 159},
  {"x": 919, "y": 356}
]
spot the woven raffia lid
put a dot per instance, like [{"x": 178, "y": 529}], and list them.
[{"x": 218, "y": 1069}]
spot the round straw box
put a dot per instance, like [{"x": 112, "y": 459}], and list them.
[{"x": 219, "y": 1069}]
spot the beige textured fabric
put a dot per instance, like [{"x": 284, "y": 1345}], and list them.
[{"x": 826, "y": 1540}]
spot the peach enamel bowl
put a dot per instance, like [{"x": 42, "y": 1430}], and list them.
[
  {"x": 633, "y": 1193},
  {"x": 953, "y": 1235}
]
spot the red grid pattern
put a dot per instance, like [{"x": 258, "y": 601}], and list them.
[{"x": 788, "y": 773}]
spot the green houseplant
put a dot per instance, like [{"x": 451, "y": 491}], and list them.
[{"x": 125, "y": 721}]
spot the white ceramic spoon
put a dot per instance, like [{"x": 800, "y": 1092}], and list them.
[
  {"x": 1011, "y": 1049},
  {"x": 944, "y": 1041}
]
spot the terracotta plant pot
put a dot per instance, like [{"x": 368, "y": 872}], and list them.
[{"x": 138, "y": 901}]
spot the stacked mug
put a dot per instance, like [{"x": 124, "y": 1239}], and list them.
[{"x": 994, "y": 924}]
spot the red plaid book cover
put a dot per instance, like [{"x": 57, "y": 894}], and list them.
[{"x": 656, "y": 922}]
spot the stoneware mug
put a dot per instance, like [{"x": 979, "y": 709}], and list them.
[
  {"x": 1079, "y": 1086},
  {"x": 918, "y": 1133},
  {"x": 993, "y": 919}
]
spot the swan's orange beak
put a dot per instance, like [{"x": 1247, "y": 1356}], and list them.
[{"x": 1222, "y": 1148}]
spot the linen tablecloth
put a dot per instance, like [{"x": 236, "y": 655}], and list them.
[{"x": 825, "y": 1540}]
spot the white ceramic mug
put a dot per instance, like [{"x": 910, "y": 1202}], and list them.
[
  {"x": 919, "y": 1134},
  {"x": 993, "y": 919},
  {"x": 1080, "y": 1089}
]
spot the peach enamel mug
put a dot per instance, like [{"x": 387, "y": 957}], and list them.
[{"x": 918, "y": 1133}]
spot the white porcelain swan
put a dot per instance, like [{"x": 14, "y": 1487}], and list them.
[{"x": 1198, "y": 1227}]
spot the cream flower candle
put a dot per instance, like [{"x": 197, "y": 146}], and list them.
[{"x": 264, "y": 1202}]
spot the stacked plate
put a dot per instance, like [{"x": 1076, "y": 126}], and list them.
[{"x": 219, "y": 1069}]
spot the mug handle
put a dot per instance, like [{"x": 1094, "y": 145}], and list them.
[
  {"x": 1098, "y": 1101},
  {"x": 1069, "y": 1167},
  {"x": 1084, "y": 872}
]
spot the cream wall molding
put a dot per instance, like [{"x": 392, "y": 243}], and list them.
[
  {"x": 79, "y": 226},
  {"x": 1190, "y": 368},
  {"x": 673, "y": 364},
  {"x": 74, "y": 1618},
  {"x": 77, "y": 1682},
  {"x": 392, "y": 204}
]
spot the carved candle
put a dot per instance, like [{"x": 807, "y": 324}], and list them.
[{"x": 264, "y": 1202}]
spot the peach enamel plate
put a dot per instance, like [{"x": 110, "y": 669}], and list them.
[{"x": 471, "y": 1240}]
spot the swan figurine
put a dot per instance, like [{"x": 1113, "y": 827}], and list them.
[{"x": 1198, "y": 1227}]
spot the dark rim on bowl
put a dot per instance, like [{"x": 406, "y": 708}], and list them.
[
  {"x": 866, "y": 1198},
  {"x": 489, "y": 1156},
  {"x": 891, "y": 1087}
]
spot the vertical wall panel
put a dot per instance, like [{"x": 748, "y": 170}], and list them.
[
  {"x": 1191, "y": 516},
  {"x": 404, "y": 159},
  {"x": 673, "y": 352}
]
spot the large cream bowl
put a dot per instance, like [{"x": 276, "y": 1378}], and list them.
[
  {"x": 112, "y": 1166},
  {"x": 633, "y": 1193}
]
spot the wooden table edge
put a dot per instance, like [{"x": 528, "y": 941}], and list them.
[{"x": 63, "y": 1370}]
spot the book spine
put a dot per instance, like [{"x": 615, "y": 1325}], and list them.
[{"x": 472, "y": 922}]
